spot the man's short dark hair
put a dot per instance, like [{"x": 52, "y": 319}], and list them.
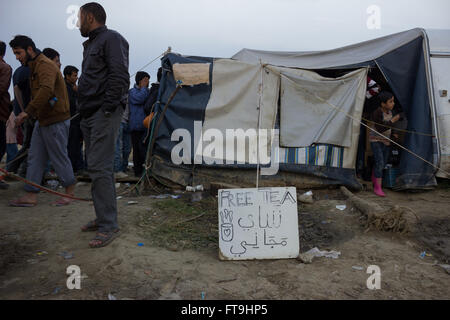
[
  {"x": 384, "y": 96},
  {"x": 50, "y": 53},
  {"x": 141, "y": 75},
  {"x": 68, "y": 70},
  {"x": 22, "y": 42},
  {"x": 2, "y": 48},
  {"x": 96, "y": 10}
]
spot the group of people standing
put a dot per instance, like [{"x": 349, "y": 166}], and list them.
[
  {"x": 16, "y": 159},
  {"x": 57, "y": 115}
]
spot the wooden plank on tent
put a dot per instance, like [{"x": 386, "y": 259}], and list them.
[
  {"x": 216, "y": 186},
  {"x": 129, "y": 179},
  {"x": 190, "y": 74}
]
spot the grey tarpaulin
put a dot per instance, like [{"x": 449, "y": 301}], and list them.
[
  {"x": 349, "y": 55},
  {"x": 306, "y": 116}
]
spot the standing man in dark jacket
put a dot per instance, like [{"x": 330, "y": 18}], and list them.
[
  {"x": 102, "y": 93},
  {"x": 5, "y": 102},
  {"x": 75, "y": 145},
  {"x": 53, "y": 55}
]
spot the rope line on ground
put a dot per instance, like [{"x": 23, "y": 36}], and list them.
[{"x": 64, "y": 195}]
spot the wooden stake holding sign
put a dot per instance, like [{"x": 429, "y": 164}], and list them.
[{"x": 258, "y": 223}]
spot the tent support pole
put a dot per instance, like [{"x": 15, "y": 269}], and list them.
[
  {"x": 152, "y": 143},
  {"x": 259, "y": 124},
  {"x": 430, "y": 85}
]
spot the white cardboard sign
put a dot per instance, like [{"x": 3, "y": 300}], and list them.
[{"x": 258, "y": 223}]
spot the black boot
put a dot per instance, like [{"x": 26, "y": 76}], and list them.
[{"x": 3, "y": 185}]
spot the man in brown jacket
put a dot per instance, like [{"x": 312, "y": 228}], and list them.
[
  {"x": 5, "y": 81},
  {"x": 50, "y": 106}
]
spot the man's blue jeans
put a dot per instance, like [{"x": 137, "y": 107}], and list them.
[
  {"x": 123, "y": 148},
  {"x": 11, "y": 152}
]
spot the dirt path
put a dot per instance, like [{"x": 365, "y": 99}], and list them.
[{"x": 33, "y": 266}]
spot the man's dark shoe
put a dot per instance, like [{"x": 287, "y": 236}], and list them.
[
  {"x": 3, "y": 185},
  {"x": 81, "y": 173}
]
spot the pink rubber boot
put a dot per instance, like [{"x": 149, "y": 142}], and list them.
[{"x": 377, "y": 188}]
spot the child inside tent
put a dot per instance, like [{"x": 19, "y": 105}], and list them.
[{"x": 383, "y": 121}]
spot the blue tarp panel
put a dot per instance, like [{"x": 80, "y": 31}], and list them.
[
  {"x": 405, "y": 71},
  {"x": 189, "y": 104}
]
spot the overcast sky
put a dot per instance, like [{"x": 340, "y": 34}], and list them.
[{"x": 218, "y": 28}]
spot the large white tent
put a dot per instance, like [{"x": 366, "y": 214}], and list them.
[{"x": 318, "y": 116}]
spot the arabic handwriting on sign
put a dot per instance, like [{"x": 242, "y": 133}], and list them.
[
  {"x": 241, "y": 252},
  {"x": 260, "y": 224},
  {"x": 273, "y": 220},
  {"x": 267, "y": 221},
  {"x": 250, "y": 219},
  {"x": 254, "y": 245},
  {"x": 244, "y": 245},
  {"x": 272, "y": 242}
]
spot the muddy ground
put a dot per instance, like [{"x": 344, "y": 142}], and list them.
[{"x": 168, "y": 249}]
